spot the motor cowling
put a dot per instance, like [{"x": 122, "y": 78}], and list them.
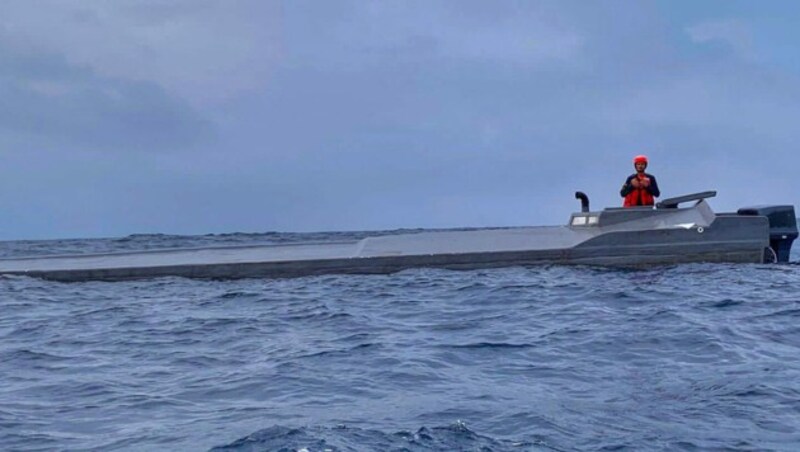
[{"x": 782, "y": 227}]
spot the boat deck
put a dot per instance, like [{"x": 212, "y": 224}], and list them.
[{"x": 241, "y": 261}]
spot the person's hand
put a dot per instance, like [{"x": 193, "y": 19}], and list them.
[
  {"x": 635, "y": 183},
  {"x": 646, "y": 182}
]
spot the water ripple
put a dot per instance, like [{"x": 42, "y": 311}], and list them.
[{"x": 687, "y": 357}]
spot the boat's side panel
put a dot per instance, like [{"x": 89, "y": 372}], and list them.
[
  {"x": 287, "y": 269},
  {"x": 726, "y": 239},
  {"x": 644, "y": 218},
  {"x": 477, "y": 241},
  {"x": 172, "y": 258}
]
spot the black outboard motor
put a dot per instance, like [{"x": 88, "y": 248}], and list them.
[{"x": 782, "y": 227}]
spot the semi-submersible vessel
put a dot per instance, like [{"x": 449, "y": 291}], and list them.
[{"x": 677, "y": 230}]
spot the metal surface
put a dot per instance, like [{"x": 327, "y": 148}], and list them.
[{"x": 627, "y": 237}]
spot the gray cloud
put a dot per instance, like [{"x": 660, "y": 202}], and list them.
[
  {"x": 731, "y": 32},
  {"x": 203, "y": 51},
  {"x": 362, "y": 115},
  {"x": 53, "y": 102}
]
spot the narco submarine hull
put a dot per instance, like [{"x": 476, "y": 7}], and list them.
[{"x": 627, "y": 237}]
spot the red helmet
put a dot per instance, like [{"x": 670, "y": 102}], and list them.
[{"x": 640, "y": 159}]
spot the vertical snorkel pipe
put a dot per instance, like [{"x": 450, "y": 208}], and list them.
[{"x": 584, "y": 200}]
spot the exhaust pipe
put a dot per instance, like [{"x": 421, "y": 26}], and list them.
[{"x": 584, "y": 200}]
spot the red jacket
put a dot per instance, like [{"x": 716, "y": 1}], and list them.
[{"x": 642, "y": 196}]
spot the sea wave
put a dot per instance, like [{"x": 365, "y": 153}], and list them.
[{"x": 684, "y": 357}]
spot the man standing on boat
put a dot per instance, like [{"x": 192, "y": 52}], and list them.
[{"x": 640, "y": 188}]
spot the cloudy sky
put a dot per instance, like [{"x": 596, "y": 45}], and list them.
[{"x": 212, "y": 116}]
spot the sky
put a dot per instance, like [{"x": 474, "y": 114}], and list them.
[{"x": 222, "y": 116}]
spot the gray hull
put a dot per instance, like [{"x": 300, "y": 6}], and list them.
[{"x": 618, "y": 237}]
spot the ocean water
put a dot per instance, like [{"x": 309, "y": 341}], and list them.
[{"x": 687, "y": 357}]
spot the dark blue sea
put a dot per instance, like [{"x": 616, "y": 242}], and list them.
[{"x": 547, "y": 358}]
